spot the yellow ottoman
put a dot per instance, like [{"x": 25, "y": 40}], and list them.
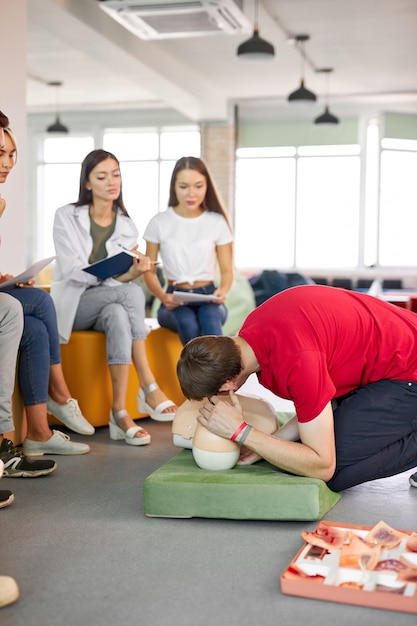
[{"x": 88, "y": 377}]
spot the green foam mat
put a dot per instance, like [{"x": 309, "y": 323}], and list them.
[{"x": 179, "y": 488}]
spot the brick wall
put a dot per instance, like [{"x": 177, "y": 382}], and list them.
[{"x": 218, "y": 152}]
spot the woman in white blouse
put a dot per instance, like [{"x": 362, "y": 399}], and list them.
[{"x": 93, "y": 228}]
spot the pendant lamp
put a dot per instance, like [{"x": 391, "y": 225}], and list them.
[
  {"x": 256, "y": 48},
  {"x": 326, "y": 118},
  {"x": 57, "y": 126},
  {"x": 302, "y": 94}
]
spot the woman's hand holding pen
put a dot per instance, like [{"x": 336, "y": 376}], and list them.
[
  {"x": 138, "y": 259},
  {"x": 140, "y": 265}
]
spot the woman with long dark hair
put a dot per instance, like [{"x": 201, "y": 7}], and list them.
[{"x": 91, "y": 229}]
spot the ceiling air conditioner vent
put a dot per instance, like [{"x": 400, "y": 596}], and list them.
[{"x": 170, "y": 18}]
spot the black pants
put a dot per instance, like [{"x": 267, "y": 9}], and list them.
[{"x": 375, "y": 433}]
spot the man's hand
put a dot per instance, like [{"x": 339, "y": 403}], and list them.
[
  {"x": 247, "y": 457},
  {"x": 220, "y": 417}
]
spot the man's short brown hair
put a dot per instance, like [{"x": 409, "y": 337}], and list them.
[{"x": 206, "y": 363}]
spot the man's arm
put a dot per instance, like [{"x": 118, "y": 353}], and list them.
[
  {"x": 289, "y": 432},
  {"x": 314, "y": 455}
]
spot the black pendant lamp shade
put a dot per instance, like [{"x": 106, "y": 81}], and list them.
[
  {"x": 326, "y": 118},
  {"x": 302, "y": 94},
  {"x": 57, "y": 126},
  {"x": 256, "y": 48}
]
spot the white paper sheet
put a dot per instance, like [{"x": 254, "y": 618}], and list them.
[{"x": 28, "y": 274}]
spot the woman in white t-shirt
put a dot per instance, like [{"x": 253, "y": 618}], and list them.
[{"x": 192, "y": 237}]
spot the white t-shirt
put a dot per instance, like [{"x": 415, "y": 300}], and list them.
[{"x": 187, "y": 246}]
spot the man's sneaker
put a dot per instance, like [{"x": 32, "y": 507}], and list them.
[
  {"x": 6, "y": 498},
  {"x": 413, "y": 480},
  {"x": 16, "y": 465},
  {"x": 59, "y": 443},
  {"x": 70, "y": 415}
]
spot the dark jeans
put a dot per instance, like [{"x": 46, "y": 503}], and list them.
[
  {"x": 39, "y": 347},
  {"x": 376, "y": 433},
  {"x": 194, "y": 320}
]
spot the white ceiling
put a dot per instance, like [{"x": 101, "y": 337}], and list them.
[{"x": 371, "y": 44}]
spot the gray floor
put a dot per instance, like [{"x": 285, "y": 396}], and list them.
[{"x": 83, "y": 552}]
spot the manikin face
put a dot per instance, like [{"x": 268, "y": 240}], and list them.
[
  {"x": 7, "y": 157},
  {"x": 190, "y": 188},
  {"x": 105, "y": 180}
]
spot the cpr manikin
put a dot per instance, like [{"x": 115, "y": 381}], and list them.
[{"x": 210, "y": 451}]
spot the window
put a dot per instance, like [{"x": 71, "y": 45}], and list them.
[
  {"x": 398, "y": 203},
  {"x": 58, "y": 180},
  {"x": 265, "y": 212},
  {"x": 327, "y": 223},
  {"x": 147, "y": 157},
  {"x": 297, "y": 207}
]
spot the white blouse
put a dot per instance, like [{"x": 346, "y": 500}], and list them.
[{"x": 73, "y": 245}]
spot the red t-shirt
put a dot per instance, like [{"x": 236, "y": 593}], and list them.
[{"x": 314, "y": 343}]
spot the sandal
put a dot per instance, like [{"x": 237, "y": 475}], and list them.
[
  {"x": 117, "y": 433},
  {"x": 158, "y": 412}
]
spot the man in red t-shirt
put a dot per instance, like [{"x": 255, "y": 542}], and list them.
[{"x": 347, "y": 360}]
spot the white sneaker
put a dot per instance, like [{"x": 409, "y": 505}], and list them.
[
  {"x": 70, "y": 415},
  {"x": 59, "y": 443},
  {"x": 9, "y": 591}
]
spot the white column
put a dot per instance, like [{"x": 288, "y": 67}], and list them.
[{"x": 13, "y": 16}]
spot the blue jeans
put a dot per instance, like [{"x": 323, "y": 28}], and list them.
[
  {"x": 39, "y": 346},
  {"x": 119, "y": 312},
  {"x": 376, "y": 433},
  {"x": 194, "y": 320}
]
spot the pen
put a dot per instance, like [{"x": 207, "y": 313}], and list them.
[{"x": 135, "y": 255}]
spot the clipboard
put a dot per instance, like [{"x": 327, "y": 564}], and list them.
[
  {"x": 28, "y": 274},
  {"x": 188, "y": 297},
  {"x": 112, "y": 265}
]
